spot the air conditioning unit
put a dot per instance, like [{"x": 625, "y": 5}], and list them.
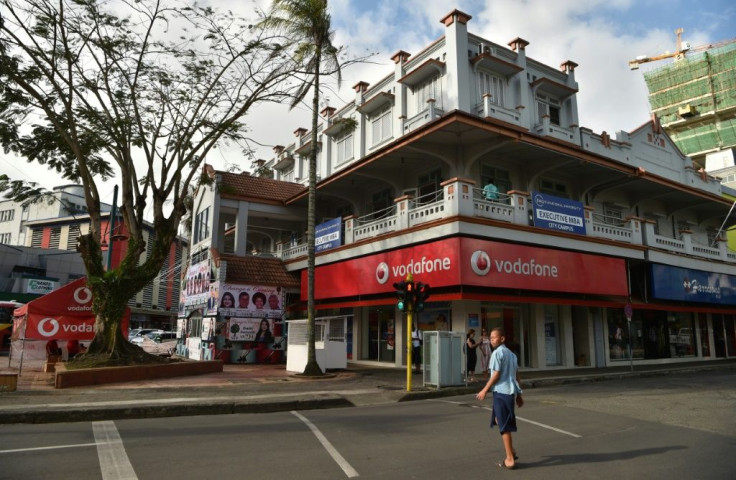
[
  {"x": 483, "y": 48},
  {"x": 686, "y": 111}
]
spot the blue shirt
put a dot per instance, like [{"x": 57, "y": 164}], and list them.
[
  {"x": 490, "y": 191},
  {"x": 504, "y": 361}
]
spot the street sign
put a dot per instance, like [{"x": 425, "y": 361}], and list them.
[{"x": 628, "y": 311}]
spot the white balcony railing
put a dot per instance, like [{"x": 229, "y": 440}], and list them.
[{"x": 512, "y": 208}]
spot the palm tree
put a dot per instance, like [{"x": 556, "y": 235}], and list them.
[{"x": 306, "y": 26}]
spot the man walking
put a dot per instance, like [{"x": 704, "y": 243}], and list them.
[{"x": 506, "y": 391}]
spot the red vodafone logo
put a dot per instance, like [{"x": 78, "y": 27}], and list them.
[
  {"x": 53, "y": 327},
  {"x": 82, "y": 295},
  {"x": 382, "y": 273},
  {"x": 480, "y": 262}
]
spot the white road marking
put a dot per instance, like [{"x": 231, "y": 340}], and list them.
[
  {"x": 349, "y": 471},
  {"x": 549, "y": 427},
  {"x": 52, "y": 447},
  {"x": 114, "y": 462}
]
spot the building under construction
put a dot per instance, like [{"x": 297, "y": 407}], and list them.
[{"x": 694, "y": 99}]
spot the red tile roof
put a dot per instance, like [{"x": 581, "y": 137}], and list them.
[
  {"x": 243, "y": 186},
  {"x": 252, "y": 270}
]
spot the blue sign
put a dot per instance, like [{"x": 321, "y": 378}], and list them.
[
  {"x": 328, "y": 235},
  {"x": 684, "y": 284},
  {"x": 557, "y": 213}
]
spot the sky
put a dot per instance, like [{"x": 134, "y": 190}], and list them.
[{"x": 600, "y": 36}]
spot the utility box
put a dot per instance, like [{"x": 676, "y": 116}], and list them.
[
  {"x": 330, "y": 344},
  {"x": 443, "y": 358}
]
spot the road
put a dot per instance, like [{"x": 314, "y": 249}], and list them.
[{"x": 670, "y": 427}]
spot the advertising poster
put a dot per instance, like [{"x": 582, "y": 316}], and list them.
[
  {"x": 244, "y": 329},
  {"x": 250, "y": 301},
  {"x": 195, "y": 292}
]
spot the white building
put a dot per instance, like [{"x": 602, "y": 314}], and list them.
[{"x": 596, "y": 248}]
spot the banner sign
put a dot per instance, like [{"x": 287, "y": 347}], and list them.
[
  {"x": 560, "y": 214},
  {"x": 196, "y": 288},
  {"x": 244, "y": 329},
  {"x": 687, "y": 285},
  {"x": 328, "y": 235},
  {"x": 467, "y": 261},
  {"x": 250, "y": 301},
  {"x": 38, "y": 286}
]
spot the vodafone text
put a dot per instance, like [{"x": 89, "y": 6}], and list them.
[
  {"x": 526, "y": 268},
  {"x": 424, "y": 265}
]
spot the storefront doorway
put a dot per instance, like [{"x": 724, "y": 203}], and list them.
[
  {"x": 378, "y": 334},
  {"x": 508, "y": 317}
]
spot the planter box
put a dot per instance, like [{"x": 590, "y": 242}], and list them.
[
  {"x": 97, "y": 376},
  {"x": 8, "y": 382}
]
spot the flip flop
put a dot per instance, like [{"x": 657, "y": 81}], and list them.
[{"x": 502, "y": 464}]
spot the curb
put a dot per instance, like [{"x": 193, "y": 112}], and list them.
[{"x": 212, "y": 407}]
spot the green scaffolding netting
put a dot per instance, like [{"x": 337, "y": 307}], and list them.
[{"x": 705, "y": 82}]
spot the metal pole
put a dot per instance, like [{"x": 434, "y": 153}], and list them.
[
  {"x": 631, "y": 349},
  {"x": 113, "y": 214},
  {"x": 409, "y": 324}
]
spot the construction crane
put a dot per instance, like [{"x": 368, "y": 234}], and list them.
[{"x": 681, "y": 48}]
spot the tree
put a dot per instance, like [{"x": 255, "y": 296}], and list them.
[
  {"x": 306, "y": 25},
  {"x": 143, "y": 98}
]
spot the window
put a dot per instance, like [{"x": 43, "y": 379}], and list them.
[
  {"x": 55, "y": 237},
  {"x": 488, "y": 83},
  {"x": 345, "y": 148},
  {"x": 381, "y": 125},
  {"x": 288, "y": 175},
  {"x": 553, "y": 188},
  {"x": 431, "y": 89},
  {"x": 548, "y": 106},
  {"x": 201, "y": 225},
  {"x": 712, "y": 234},
  {"x": 613, "y": 215},
  {"x": 429, "y": 185},
  {"x": 5, "y": 238},
  {"x": 7, "y": 215}
]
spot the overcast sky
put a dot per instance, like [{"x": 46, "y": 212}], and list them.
[{"x": 600, "y": 36}]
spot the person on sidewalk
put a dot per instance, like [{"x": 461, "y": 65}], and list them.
[
  {"x": 416, "y": 348},
  {"x": 471, "y": 355},
  {"x": 485, "y": 351},
  {"x": 505, "y": 382}
]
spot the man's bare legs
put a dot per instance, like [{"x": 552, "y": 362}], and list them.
[{"x": 508, "y": 446}]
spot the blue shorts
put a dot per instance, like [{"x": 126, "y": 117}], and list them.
[{"x": 503, "y": 412}]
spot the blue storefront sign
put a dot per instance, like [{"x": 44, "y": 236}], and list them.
[
  {"x": 328, "y": 235},
  {"x": 557, "y": 213},
  {"x": 684, "y": 284}
]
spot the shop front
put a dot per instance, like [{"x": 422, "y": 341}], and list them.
[
  {"x": 691, "y": 315},
  {"x": 548, "y": 301}
]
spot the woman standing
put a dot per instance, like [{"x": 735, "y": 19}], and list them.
[
  {"x": 471, "y": 355},
  {"x": 485, "y": 351}
]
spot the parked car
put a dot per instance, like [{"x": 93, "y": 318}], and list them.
[
  {"x": 157, "y": 342},
  {"x": 139, "y": 332}
]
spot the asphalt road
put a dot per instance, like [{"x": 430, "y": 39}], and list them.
[{"x": 670, "y": 427}]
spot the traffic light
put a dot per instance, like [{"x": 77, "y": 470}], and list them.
[
  {"x": 420, "y": 296},
  {"x": 409, "y": 297},
  {"x": 400, "y": 288}
]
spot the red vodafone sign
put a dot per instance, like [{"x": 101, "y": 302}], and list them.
[{"x": 466, "y": 261}]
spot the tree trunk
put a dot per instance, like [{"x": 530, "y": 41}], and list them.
[{"x": 312, "y": 368}]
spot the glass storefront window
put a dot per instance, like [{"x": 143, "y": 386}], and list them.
[
  {"x": 378, "y": 336},
  {"x": 704, "y": 339},
  {"x": 618, "y": 335},
  {"x": 681, "y": 334}
]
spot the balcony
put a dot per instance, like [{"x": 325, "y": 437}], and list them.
[{"x": 460, "y": 198}]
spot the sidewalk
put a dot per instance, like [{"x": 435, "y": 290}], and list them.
[{"x": 266, "y": 388}]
